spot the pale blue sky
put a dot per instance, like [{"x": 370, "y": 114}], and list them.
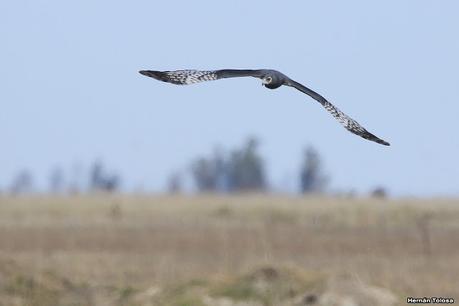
[{"x": 70, "y": 91}]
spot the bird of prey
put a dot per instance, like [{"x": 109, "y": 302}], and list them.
[{"x": 271, "y": 79}]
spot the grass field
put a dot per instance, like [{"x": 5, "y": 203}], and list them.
[{"x": 226, "y": 250}]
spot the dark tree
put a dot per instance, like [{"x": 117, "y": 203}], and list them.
[
  {"x": 76, "y": 179},
  {"x": 96, "y": 176},
  {"x": 100, "y": 180},
  {"x": 379, "y": 192},
  {"x": 246, "y": 169},
  {"x": 205, "y": 174},
  {"x": 210, "y": 173},
  {"x": 242, "y": 170},
  {"x": 56, "y": 180},
  {"x": 312, "y": 179},
  {"x": 22, "y": 183},
  {"x": 174, "y": 184}
]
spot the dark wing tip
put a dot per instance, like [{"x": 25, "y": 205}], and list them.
[
  {"x": 383, "y": 142},
  {"x": 152, "y": 74},
  {"x": 374, "y": 138}
]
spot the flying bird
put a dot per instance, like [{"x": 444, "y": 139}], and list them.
[{"x": 271, "y": 79}]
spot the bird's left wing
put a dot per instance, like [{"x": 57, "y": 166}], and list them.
[
  {"x": 186, "y": 77},
  {"x": 349, "y": 123}
]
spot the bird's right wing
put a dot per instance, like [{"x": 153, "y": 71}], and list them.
[
  {"x": 186, "y": 77},
  {"x": 349, "y": 123}
]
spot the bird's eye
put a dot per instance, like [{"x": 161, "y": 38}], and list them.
[{"x": 269, "y": 79}]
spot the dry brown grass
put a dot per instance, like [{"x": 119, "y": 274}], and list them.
[{"x": 114, "y": 250}]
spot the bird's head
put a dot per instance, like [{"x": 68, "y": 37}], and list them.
[
  {"x": 271, "y": 81},
  {"x": 267, "y": 80}
]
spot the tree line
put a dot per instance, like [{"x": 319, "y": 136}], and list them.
[
  {"x": 97, "y": 179},
  {"x": 236, "y": 170},
  {"x": 243, "y": 170}
]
